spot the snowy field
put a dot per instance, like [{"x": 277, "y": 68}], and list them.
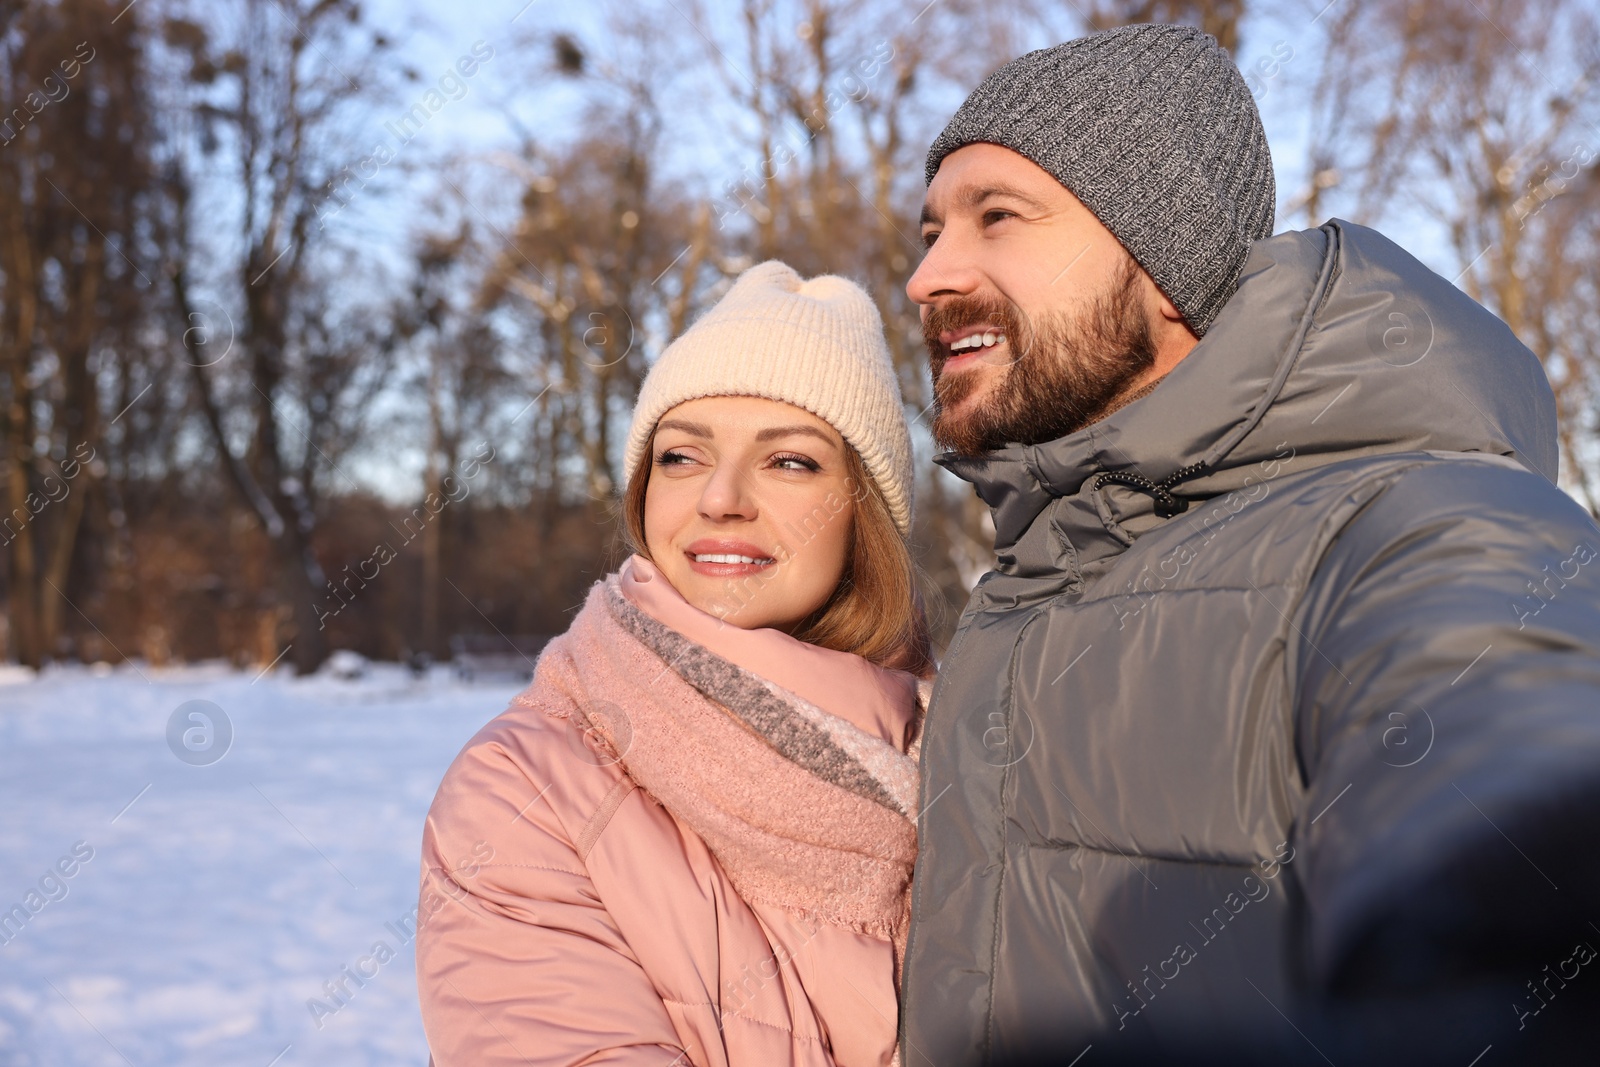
[{"x": 212, "y": 903}]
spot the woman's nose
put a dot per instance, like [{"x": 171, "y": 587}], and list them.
[{"x": 728, "y": 494}]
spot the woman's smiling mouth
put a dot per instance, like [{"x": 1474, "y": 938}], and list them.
[{"x": 726, "y": 559}]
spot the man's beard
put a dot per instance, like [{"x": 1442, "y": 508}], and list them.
[{"x": 1066, "y": 372}]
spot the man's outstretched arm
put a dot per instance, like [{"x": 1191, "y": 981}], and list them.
[{"x": 1449, "y": 729}]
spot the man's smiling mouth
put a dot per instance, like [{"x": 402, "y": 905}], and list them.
[{"x": 986, "y": 339}]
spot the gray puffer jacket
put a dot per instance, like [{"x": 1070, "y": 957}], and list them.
[{"x": 1277, "y": 723}]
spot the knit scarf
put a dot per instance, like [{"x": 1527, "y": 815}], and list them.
[{"x": 803, "y": 811}]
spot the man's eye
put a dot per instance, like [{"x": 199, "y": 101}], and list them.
[
  {"x": 929, "y": 237},
  {"x": 992, "y": 217}
]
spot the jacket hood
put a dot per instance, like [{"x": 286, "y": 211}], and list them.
[{"x": 1338, "y": 344}]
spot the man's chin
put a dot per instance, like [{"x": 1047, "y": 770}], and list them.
[
  {"x": 966, "y": 397},
  {"x": 962, "y": 427}
]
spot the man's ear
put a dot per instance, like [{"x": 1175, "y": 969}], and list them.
[
  {"x": 1173, "y": 335},
  {"x": 1168, "y": 309}
]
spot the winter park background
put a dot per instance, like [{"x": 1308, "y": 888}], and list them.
[{"x": 320, "y": 323}]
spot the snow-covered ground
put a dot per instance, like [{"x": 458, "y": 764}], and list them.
[{"x": 219, "y": 900}]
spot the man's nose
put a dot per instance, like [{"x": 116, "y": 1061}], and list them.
[{"x": 946, "y": 270}]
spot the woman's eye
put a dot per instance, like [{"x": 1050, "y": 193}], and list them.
[
  {"x": 670, "y": 458},
  {"x": 796, "y": 463},
  {"x": 929, "y": 237}
]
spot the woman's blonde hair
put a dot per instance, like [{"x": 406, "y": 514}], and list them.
[{"x": 876, "y": 611}]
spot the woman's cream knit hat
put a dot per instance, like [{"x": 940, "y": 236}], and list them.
[{"x": 816, "y": 344}]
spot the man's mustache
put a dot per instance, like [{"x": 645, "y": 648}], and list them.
[{"x": 965, "y": 311}]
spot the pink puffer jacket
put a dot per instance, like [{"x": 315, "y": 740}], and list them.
[{"x": 568, "y": 917}]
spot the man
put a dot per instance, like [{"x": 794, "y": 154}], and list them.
[{"x": 1274, "y": 733}]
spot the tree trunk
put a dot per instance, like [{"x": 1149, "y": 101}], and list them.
[
  {"x": 432, "y": 545},
  {"x": 82, "y": 406},
  {"x": 18, "y": 523},
  {"x": 302, "y": 585}
]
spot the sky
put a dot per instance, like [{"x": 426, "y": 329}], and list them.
[{"x": 1276, "y": 54}]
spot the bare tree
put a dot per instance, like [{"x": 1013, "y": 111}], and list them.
[
  {"x": 1482, "y": 116},
  {"x": 274, "y": 87},
  {"x": 75, "y": 290},
  {"x": 604, "y": 250}
]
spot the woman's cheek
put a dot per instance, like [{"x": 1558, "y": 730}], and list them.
[
  {"x": 663, "y": 514},
  {"x": 833, "y": 549}
]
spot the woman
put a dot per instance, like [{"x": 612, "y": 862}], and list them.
[{"x": 690, "y": 840}]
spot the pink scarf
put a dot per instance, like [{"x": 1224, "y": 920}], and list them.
[
  {"x": 804, "y": 810},
  {"x": 882, "y": 702}
]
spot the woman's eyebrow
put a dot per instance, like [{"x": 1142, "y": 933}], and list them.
[
  {"x": 696, "y": 429},
  {"x": 772, "y": 432}
]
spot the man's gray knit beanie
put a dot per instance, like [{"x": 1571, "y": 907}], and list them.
[{"x": 1154, "y": 129}]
